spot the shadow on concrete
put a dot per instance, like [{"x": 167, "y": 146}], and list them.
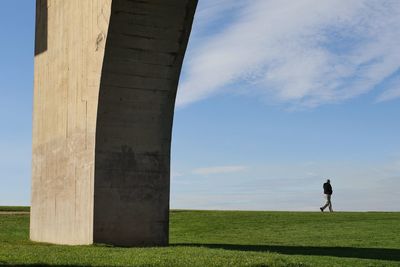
[
  {"x": 343, "y": 252},
  {"x": 41, "y": 27}
]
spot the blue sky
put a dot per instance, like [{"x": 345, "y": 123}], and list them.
[{"x": 274, "y": 98}]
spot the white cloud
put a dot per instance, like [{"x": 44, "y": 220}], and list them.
[
  {"x": 392, "y": 92},
  {"x": 209, "y": 12},
  {"x": 219, "y": 170},
  {"x": 306, "y": 52},
  {"x": 175, "y": 174}
]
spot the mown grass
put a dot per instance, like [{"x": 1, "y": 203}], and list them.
[
  {"x": 229, "y": 238},
  {"x": 15, "y": 208}
]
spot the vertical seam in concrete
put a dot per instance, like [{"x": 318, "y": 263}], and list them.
[
  {"x": 86, "y": 123},
  {"x": 75, "y": 180},
  {"x": 55, "y": 207},
  {"x": 66, "y": 134},
  {"x": 91, "y": 204}
]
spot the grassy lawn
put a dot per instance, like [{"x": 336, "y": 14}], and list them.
[
  {"x": 14, "y": 208},
  {"x": 229, "y": 238}
]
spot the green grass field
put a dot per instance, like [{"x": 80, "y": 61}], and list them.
[
  {"x": 15, "y": 208},
  {"x": 229, "y": 238}
]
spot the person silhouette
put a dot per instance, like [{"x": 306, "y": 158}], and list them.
[{"x": 328, "y": 193}]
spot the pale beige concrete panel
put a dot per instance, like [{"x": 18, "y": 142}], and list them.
[{"x": 70, "y": 43}]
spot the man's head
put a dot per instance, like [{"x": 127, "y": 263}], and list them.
[{"x": 328, "y": 181}]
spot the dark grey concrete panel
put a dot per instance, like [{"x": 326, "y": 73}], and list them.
[{"x": 145, "y": 46}]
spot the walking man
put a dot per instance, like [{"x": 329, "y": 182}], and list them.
[{"x": 328, "y": 193}]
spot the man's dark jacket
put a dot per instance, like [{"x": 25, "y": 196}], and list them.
[{"x": 327, "y": 189}]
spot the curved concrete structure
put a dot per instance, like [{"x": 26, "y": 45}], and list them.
[{"x": 106, "y": 75}]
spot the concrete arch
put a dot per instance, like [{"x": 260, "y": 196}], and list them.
[{"x": 106, "y": 75}]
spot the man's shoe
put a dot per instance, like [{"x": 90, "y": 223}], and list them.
[{"x": 322, "y": 210}]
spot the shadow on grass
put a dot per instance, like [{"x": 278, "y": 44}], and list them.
[
  {"x": 39, "y": 264},
  {"x": 345, "y": 252}
]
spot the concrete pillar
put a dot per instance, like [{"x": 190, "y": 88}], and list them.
[{"x": 106, "y": 74}]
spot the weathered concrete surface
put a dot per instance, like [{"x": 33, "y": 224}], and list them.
[
  {"x": 70, "y": 41},
  {"x": 106, "y": 74},
  {"x": 143, "y": 58}
]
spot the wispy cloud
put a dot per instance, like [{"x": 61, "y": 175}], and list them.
[
  {"x": 175, "y": 174},
  {"x": 219, "y": 169},
  {"x": 306, "y": 52},
  {"x": 393, "y": 90}
]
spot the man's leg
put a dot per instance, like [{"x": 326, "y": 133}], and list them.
[{"x": 328, "y": 201}]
